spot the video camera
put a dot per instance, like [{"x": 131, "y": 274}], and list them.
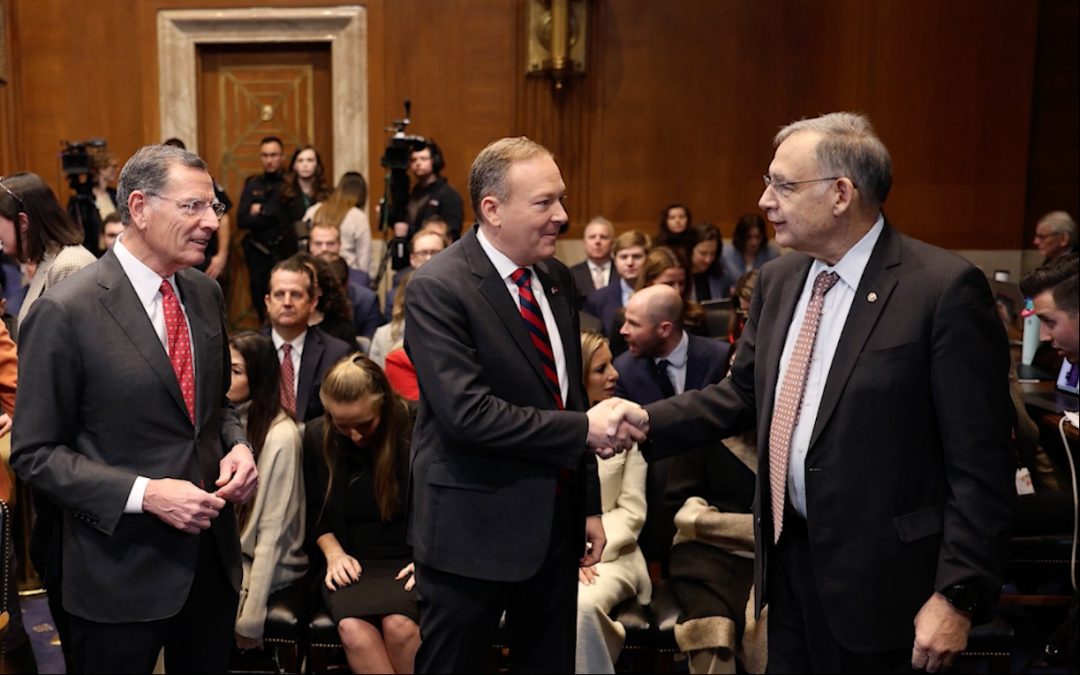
[
  {"x": 395, "y": 200},
  {"x": 77, "y": 165}
]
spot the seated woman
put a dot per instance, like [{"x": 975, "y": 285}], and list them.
[
  {"x": 666, "y": 266},
  {"x": 389, "y": 336},
  {"x": 621, "y": 573},
  {"x": 750, "y": 247},
  {"x": 272, "y": 522},
  {"x": 707, "y": 278},
  {"x": 356, "y": 464}
]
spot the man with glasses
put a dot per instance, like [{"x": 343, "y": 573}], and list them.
[
  {"x": 127, "y": 427},
  {"x": 1055, "y": 236},
  {"x": 424, "y": 246},
  {"x": 260, "y": 203},
  {"x": 875, "y": 370}
]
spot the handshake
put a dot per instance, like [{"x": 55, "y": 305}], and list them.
[{"x": 615, "y": 425}]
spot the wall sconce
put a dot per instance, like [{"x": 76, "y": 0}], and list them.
[{"x": 556, "y": 39}]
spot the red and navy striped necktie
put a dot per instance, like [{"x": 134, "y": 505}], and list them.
[{"x": 537, "y": 329}]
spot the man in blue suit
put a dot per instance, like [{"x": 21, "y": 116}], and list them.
[
  {"x": 664, "y": 360},
  {"x": 630, "y": 250}
]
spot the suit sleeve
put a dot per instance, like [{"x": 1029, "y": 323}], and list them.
[
  {"x": 371, "y": 320},
  {"x": 695, "y": 418},
  {"x": 44, "y": 438},
  {"x": 969, "y": 377},
  {"x": 232, "y": 429},
  {"x": 438, "y": 338}
]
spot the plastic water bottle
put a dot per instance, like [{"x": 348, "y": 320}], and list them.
[{"x": 1031, "y": 335}]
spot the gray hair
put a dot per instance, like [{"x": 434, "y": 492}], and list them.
[
  {"x": 600, "y": 220},
  {"x": 1060, "y": 222},
  {"x": 148, "y": 171},
  {"x": 848, "y": 148},
  {"x": 487, "y": 177}
]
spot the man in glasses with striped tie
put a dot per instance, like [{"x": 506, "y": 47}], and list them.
[
  {"x": 875, "y": 371},
  {"x": 128, "y": 428},
  {"x": 505, "y": 497}
]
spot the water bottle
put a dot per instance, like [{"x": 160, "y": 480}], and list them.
[{"x": 1031, "y": 335}]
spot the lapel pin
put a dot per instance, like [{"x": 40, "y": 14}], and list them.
[
  {"x": 872, "y": 297},
  {"x": 554, "y": 290}
]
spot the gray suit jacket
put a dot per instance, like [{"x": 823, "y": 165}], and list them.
[
  {"x": 489, "y": 440},
  {"x": 100, "y": 406}
]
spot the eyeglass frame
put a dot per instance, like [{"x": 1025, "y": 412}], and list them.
[
  {"x": 214, "y": 205},
  {"x": 785, "y": 185},
  {"x": 1041, "y": 237}
]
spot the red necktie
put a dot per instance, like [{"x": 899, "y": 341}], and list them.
[
  {"x": 786, "y": 414},
  {"x": 176, "y": 331},
  {"x": 288, "y": 375},
  {"x": 537, "y": 329}
]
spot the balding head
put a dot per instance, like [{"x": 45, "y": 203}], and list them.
[{"x": 654, "y": 321}]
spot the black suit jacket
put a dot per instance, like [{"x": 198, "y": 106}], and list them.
[
  {"x": 603, "y": 303},
  {"x": 489, "y": 440},
  {"x": 909, "y": 474},
  {"x": 105, "y": 407},
  {"x": 706, "y": 363},
  {"x": 321, "y": 352}
]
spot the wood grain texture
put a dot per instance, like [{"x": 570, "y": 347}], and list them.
[{"x": 680, "y": 101}]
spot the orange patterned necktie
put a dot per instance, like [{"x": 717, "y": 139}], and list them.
[
  {"x": 176, "y": 331},
  {"x": 786, "y": 413}
]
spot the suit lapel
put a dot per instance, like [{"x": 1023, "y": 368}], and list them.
[
  {"x": 772, "y": 347},
  {"x": 860, "y": 322},
  {"x": 309, "y": 362},
  {"x": 695, "y": 369},
  {"x": 123, "y": 304},
  {"x": 494, "y": 290}
]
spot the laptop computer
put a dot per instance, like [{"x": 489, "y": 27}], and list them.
[{"x": 1067, "y": 394}]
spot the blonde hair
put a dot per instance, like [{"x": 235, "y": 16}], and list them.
[
  {"x": 487, "y": 177},
  {"x": 630, "y": 239},
  {"x": 590, "y": 342},
  {"x": 347, "y": 195},
  {"x": 397, "y": 320},
  {"x": 348, "y": 381}
]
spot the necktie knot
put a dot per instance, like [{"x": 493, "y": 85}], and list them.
[
  {"x": 521, "y": 276},
  {"x": 166, "y": 288},
  {"x": 824, "y": 282}
]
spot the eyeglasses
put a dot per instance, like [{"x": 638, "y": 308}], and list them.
[
  {"x": 1038, "y": 237},
  {"x": 13, "y": 195},
  {"x": 784, "y": 188},
  {"x": 425, "y": 255},
  {"x": 195, "y": 208}
]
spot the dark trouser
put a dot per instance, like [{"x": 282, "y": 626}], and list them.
[
  {"x": 197, "y": 640},
  {"x": 800, "y": 639},
  {"x": 259, "y": 266},
  {"x": 459, "y": 615}
]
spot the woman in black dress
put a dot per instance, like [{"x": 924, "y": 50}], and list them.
[{"x": 356, "y": 468}]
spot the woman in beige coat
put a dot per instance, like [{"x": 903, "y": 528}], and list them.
[{"x": 621, "y": 573}]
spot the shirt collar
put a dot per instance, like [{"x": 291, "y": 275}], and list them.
[
  {"x": 603, "y": 268},
  {"x": 297, "y": 344},
  {"x": 853, "y": 264},
  {"x": 503, "y": 265},
  {"x": 678, "y": 356},
  {"x": 146, "y": 281}
]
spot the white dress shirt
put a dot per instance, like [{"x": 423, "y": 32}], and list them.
[
  {"x": 147, "y": 285},
  {"x": 834, "y": 313},
  {"x": 297, "y": 355},
  {"x": 604, "y": 270},
  {"x": 505, "y": 267},
  {"x": 677, "y": 359}
]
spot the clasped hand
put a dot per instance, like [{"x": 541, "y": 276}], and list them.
[
  {"x": 188, "y": 507},
  {"x": 615, "y": 425}
]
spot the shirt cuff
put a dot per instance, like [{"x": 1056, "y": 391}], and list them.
[{"x": 135, "y": 498}]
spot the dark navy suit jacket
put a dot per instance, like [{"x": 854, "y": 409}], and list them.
[{"x": 603, "y": 303}]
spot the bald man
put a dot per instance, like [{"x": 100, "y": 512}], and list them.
[{"x": 664, "y": 360}]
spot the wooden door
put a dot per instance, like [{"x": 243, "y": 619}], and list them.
[{"x": 248, "y": 92}]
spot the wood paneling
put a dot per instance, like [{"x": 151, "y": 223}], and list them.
[
  {"x": 1053, "y": 181},
  {"x": 680, "y": 101}
]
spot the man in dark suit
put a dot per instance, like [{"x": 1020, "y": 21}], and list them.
[
  {"x": 127, "y": 427},
  {"x": 260, "y": 202},
  {"x": 663, "y": 360},
  {"x": 597, "y": 270},
  {"x": 630, "y": 251},
  {"x": 306, "y": 354},
  {"x": 504, "y": 490},
  {"x": 876, "y": 371}
]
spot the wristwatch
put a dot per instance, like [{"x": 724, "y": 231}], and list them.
[{"x": 964, "y": 597}]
